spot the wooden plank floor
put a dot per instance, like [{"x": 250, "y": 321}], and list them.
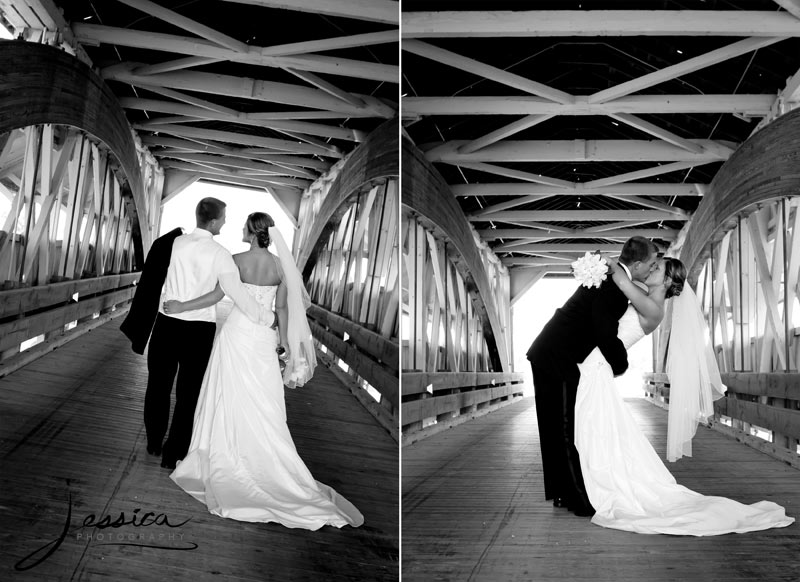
[
  {"x": 473, "y": 509},
  {"x": 71, "y": 427}
]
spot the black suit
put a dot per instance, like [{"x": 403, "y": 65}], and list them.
[
  {"x": 589, "y": 319},
  {"x": 144, "y": 324},
  {"x": 140, "y": 319}
]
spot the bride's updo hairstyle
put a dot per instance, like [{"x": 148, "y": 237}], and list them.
[
  {"x": 258, "y": 223},
  {"x": 675, "y": 270}
]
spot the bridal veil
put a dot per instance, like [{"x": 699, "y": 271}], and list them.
[
  {"x": 302, "y": 357},
  {"x": 693, "y": 375}
]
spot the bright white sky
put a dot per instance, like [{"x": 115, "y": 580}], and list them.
[
  {"x": 240, "y": 203},
  {"x": 534, "y": 309}
]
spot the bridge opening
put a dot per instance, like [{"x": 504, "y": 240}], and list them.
[{"x": 179, "y": 212}]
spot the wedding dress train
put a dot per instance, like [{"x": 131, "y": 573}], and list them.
[
  {"x": 627, "y": 483},
  {"x": 242, "y": 462}
]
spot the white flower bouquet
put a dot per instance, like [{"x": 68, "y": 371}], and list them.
[
  {"x": 590, "y": 270},
  {"x": 297, "y": 372}
]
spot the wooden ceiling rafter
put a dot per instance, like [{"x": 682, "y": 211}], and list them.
[
  {"x": 162, "y": 58},
  {"x": 92, "y": 34},
  {"x": 639, "y": 184}
]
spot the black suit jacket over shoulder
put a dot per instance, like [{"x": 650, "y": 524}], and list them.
[
  {"x": 589, "y": 319},
  {"x": 144, "y": 308}
]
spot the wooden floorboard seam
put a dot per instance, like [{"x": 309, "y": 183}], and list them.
[{"x": 74, "y": 416}]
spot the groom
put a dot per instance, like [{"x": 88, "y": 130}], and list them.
[
  {"x": 181, "y": 343},
  {"x": 589, "y": 319}
]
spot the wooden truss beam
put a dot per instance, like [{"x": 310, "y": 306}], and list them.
[
  {"x": 536, "y": 248},
  {"x": 791, "y": 6},
  {"x": 239, "y": 163},
  {"x": 373, "y": 10},
  {"x": 688, "y": 66},
  {"x": 495, "y": 24},
  {"x": 527, "y": 189},
  {"x": 584, "y": 215},
  {"x": 580, "y": 151},
  {"x": 197, "y": 112},
  {"x": 328, "y": 87},
  {"x": 487, "y": 71},
  {"x": 278, "y": 145},
  {"x": 530, "y": 234},
  {"x": 502, "y": 133},
  {"x": 175, "y": 65},
  {"x": 517, "y": 174},
  {"x": 93, "y": 34},
  {"x": 221, "y": 173},
  {"x": 658, "y": 132},
  {"x": 329, "y": 44},
  {"x": 555, "y": 265},
  {"x": 188, "y": 24},
  {"x": 210, "y": 146},
  {"x": 638, "y": 174},
  {"x": 247, "y": 88},
  {"x": 750, "y": 105},
  {"x": 508, "y": 204}
]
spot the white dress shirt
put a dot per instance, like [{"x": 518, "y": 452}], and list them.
[{"x": 197, "y": 263}]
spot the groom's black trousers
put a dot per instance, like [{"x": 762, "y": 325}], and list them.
[
  {"x": 555, "y": 413},
  {"x": 179, "y": 348}
]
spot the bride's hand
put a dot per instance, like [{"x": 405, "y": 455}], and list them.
[
  {"x": 612, "y": 263},
  {"x": 173, "y": 306}
]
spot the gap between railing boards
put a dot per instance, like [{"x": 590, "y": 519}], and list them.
[
  {"x": 761, "y": 410},
  {"x": 365, "y": 361},
  {"x": 37, "y": 320},
  {"x": 436, "y": 401}
]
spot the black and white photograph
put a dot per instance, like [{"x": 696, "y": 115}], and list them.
[
  {"x": 400, "y": 290},
  {"x": 600, "y": 319},
  {"x": 200, "y": 268}
]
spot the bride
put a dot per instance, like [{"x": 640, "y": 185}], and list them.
[
  {"x": 242, "y": 462},
  {"x": 626, "y": 481}
]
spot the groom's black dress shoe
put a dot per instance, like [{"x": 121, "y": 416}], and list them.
[
  {"x": 168, "y": 462},
  {"x": 582, "y": 510},
  {"x": 154, "y": 450},
  {"x": 559, "y": 502}
]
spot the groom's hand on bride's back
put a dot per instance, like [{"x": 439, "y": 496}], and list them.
[{"x": 266, "y": 316}]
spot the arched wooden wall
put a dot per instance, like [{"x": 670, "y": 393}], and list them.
[
  {"x": 742, "y": 249},
  {"x": 54, "y": 87},
  {"x": 347, "y": 251},
  {"x": 372, "y": 162},
  {"x": 81, "y": 202},
  {"x": 763, "y": 168},
  {"x": 427, "y": 195},
  {"x": 455, "y": 345}
]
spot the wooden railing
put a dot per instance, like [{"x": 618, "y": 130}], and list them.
[
  {"x": 756, "y": 406},
  {"x": 347, "y": 250},
  {"x": 56, "y": 313},
  {"x": 371, "y": 356},
  {"x": 433, "y": 402}
]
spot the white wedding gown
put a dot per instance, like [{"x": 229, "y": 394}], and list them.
[
  {"x": 242, "y": 462},
  {"x": 627, "y": 483}
]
